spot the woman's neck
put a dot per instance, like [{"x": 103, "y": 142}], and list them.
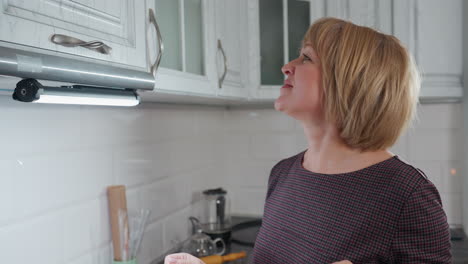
[{"x": 328, "y": 153}]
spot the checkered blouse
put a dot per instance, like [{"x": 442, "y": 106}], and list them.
[{"x": 386, "y": 213}]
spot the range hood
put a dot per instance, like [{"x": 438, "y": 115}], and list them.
[{"x": 99, "y": 79}]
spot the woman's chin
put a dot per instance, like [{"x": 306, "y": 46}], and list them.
[{"x": 279, "y": 105}]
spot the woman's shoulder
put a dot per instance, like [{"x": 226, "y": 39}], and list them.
[
  {"x": 290, "y": 161},
  {"x": 403, "y": 175},
  {"x": 280, "y": 169},
  {"x": 285, "y": 165}
]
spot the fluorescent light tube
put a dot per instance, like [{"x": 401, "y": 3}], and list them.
[
  {"x": 46, "y": 97},
  {"x": 30, "y": 90}
]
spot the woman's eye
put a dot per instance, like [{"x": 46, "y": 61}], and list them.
[{"x": 305, "y": 58}]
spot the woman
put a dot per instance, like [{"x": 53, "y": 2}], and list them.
[{"x": 347, "y": 197}]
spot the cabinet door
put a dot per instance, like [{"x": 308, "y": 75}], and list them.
[
  {"x": 184, "y": 69},
  {"x": 120, "y": 24},
  {"x": 282, "y": 25},
  {"x": 433, "y": 32},
  {"x": 231, "y": 32},
  {"x": 376, "y": 14}
]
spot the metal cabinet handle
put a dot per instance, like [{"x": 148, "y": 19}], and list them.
[
  {"x": 68, "y": 41},
  {"x": 221, "y": 80},
  {"x": 153, "y": 21}
]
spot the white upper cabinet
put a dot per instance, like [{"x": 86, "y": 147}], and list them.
[
  {"x": 376, "y": 14},
  {"x": 205, "y": 52},
  {"x": 275, "y": 39},
  {"x": 187, "y": 64},
  {"x": 118, "y": 24},
  {"x": 432, "y": 30},
  {"x": 231, "y": 48},
  {"x": 222, "y": 48}
]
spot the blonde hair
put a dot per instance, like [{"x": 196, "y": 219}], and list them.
[{"x": 370, "y": 82}]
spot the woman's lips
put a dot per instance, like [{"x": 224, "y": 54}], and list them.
[{"x": 287, "y": 86}]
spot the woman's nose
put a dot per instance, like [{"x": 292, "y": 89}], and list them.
[{"x": 288, "y": 68}]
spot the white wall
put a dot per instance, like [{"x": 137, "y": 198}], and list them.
[
  {"x": 435, "y": 145},
  {"x": 465, "y": 111},
  {"x": 56, "y": 161},
  {"x": 258, "y": 139}
]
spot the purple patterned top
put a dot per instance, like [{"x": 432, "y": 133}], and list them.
[{"x": 386, "y": 213}]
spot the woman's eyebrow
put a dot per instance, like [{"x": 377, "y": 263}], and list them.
[
  {"x": 304, "y": 47},
  {"x": 310, "y": 49}
]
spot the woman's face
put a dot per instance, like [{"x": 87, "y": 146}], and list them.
[{"x": 302, "y": 90}]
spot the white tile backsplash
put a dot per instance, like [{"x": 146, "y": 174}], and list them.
[
  {"x": 453, "y": 207},
  {"x": 401, "y": 147},
  {"x": 165, "y": 197},
  {"x": 248, "y": 172},
  {"x": 176, "y": 228},
  {"x": 87, "y": 224},
  {"x": 255, "y": 120},
  {"x": 29, "y": 129},
  {"x": 56, "y": 162},
  {"x": 248, "y": 201},
  {"x": 111, "y": 126},
  {"x": 140, "y": 164},
  {"x": 273, "y": 146},
  {"x": 152, "y": 245},
  {"x": 452, "y": 178},
  {"x": 172, "y": 122},
  {"x": 435, "y": 144},
  {"x": 50, "y": 182},
  {"x": 433, "y": 170},
  {"x": 437, "y": 116},
  {"x": 100, "y": 255},
  {"x": 38, "y": 240}
]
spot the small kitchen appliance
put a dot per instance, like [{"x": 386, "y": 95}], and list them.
[
  {"x": 216, "y": 218},
  {"x": 201, "y": 245}
]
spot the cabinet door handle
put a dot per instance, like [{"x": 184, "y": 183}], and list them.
[
  {"x": 68, "y": 41},
  {"x": 153, "y": 21},
  {"x": 221, "y": 80}
]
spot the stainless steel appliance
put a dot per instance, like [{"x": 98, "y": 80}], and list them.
[{"x": 216, "y": 218}]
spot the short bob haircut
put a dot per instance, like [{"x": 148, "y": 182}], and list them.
[{"x": 370, "y": 82}]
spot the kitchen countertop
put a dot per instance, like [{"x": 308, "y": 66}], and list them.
[
  {"x": 247, "y": 234},
  {"x": 459, "y": 246}
]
